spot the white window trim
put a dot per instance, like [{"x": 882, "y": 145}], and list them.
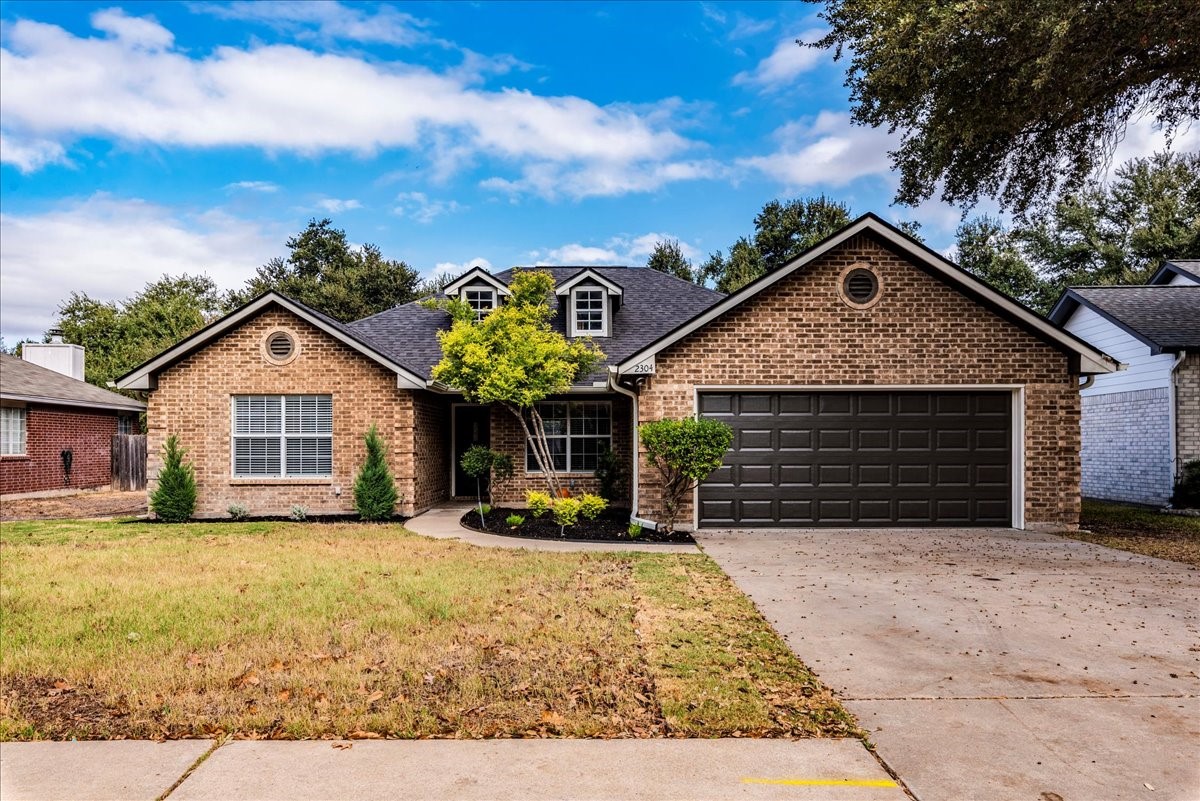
[
  {"x": 575, "y": 330},
  {"x": 487, "y": 291},
  {"x": 283, "y": 437},
  {"x": 21, "y": 414},
  {"x": 535, "y": 469}
]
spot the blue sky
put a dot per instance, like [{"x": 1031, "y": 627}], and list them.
[{"x": 151, "y": 138}]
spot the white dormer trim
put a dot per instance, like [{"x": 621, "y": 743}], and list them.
[
  {"x": 588, "y": 274},
  {"x": 484, "y": 291},
  {"x": 473, "y": 276},
  {"x": 605, "y": 306}
]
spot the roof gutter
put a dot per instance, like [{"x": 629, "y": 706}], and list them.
[{"x": 613, "y": 383}]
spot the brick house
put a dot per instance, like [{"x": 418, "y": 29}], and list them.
[
  {"x": 869, "y": 382},
  {"x": 43, "y": 414},
  {"x": 1140, "y": 425}
]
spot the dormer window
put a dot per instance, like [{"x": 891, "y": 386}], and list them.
[
  {"x": 481, "y": 300},
  {"x": 590, "y": 315}
]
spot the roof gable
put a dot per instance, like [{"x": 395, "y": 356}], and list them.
[
  {"x": 473, "y": 276},
  {"x": 1166, "y": 318},
  {"x": 142, "y": 376},
  {"x": 1187, "y": 269},
  {"x": 589, "y": 274},
  {"x": 1091, "y": 360}
]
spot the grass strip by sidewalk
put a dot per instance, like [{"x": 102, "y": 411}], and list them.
[
  {"x": 290, "y": 630},
  {"x": 1144, "y": 531}
]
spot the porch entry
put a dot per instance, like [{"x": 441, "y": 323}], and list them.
[{"x": 472, "y": 426}]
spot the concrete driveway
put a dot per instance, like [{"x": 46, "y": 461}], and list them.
[{"x": 993, "y": 664}]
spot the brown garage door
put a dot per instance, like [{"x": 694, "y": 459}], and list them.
[{"x": 861, "y": 459}]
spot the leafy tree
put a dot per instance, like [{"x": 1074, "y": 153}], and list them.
[
  {"x": 174, "y": 499},
  {"x": 989, "y": 251},
  {"x": 668, "y": 258},
  {"x": 119, "y": 336},
  {"x": 514, "y": 358},
  {"x": 374, "y": 487},
  {"x": 323, "y": 271},
  {"x": 782, "y": 231},
  {"x": 743, "y": 266},
  {"x": 479, "y": 461},
  {"x": 1009, "y": 99},
  {"x": 684, "y": 452}
]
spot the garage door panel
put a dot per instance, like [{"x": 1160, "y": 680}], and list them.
[{"x": 867, "y": 458}]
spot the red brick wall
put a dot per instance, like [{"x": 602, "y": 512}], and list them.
[
  {"x": 192, "y": 400},
  {"x": 50, "y": 429},
  {"x": 508, "y": 437},
  {"x": 431, "y": 449},
  {"x": 921, "y": 331}
]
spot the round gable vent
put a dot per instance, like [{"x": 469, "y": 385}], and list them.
[
  {"x": 280, "y": 346},
  {"x": 861, "y": 286}
]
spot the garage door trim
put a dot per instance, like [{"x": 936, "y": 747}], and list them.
[{"x": 1018, "y": 422}]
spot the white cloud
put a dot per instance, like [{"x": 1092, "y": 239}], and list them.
[
  {"x": 109, "y": 248},
  {"x": 30, "y": 155},
  {"x": 451, "y": 268},
  {"x": 828, "y": 151},
  {"x": 335, "y": 205},
  {"x": 144, "y": 32},
  {"x": 59, "y": 88},
  {"x": 254, "y": 186},
  {"x": 417, "y": 206},
  {"x": 326, "y": 20},
  {"x": 1144, "y": 138},
  {"x": 745, "y": 27},
  {"x": 622, "y": 249},
  {"x": 787, "y": 61}
]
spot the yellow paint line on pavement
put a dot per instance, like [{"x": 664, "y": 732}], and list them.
[{"x": 823, "y": 782}]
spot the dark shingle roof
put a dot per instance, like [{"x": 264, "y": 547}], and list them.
[
  {"x": 653, "y": 303},
  {"x": 22, "y": 380},
  {"x": 1189, "y": 266},
  {"x": 1167, "y": 316}
]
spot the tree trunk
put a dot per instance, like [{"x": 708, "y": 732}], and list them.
[{"x": 541, "y": 450}]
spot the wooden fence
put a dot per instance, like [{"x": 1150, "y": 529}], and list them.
[{"x": 129, "y": 462}]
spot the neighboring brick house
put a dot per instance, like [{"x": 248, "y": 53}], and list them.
[
  {"x": 869, "y": 382},
  {"x": 1141, "y": 424},
  {"x": 44, "y": 413}
]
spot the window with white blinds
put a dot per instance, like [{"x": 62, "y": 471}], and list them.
[
  {"x": 12, "y": 431},
  {"x": 282, "y": 436}
]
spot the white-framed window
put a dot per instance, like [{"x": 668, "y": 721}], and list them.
[
  {"x": 481, "y": 300},
  {"x": 282, "y": 436},
  {"x": 12, "y": 431},
  {"x": 577, "y": 432},
  {"x": 590, "y": 315}
]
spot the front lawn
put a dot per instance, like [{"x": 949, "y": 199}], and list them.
[
  {"x": 349, "y": 630},
  {"x": 1143, "y": 531}
]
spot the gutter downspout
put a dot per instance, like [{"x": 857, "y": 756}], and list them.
[
  {"x": 616, "y": 387},
  {"x": 1172, "y": 397}
]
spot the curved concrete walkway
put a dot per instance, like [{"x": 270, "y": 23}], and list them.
[{"x": 441, "y": 523}]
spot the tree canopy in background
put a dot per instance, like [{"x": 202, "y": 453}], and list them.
[
  {"x": 668, "y": 258},
  {"x": 1115, "y": 233},
  {"x": 119, "y": 336},
  {"x": 1014, "y": 100},
  {"x": 325, "y": 272}
]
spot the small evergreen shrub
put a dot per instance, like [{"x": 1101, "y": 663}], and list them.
[
  {"x": 538, "y": 502},
  {"x": 590, "y": 506},
  {"x": 514, "y": 520},
  {"x": 634, "y": 530},
  {"x": 1187, "y": 488},
  {"x": 174, "y": 499},
  {"x": 238, "y": 512},
  {"x": 566, "y": 511},
  {"x": 374, "y": 488},
  {"x": 485, "y": 509},
  {"x": 299, "y": 513}
]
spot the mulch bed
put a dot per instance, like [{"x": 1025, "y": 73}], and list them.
[
  {"x": 611, "y": 526},
  {"x": 343, "y": 518}
]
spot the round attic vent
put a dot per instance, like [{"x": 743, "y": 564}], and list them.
[
  {"x": 861, "y": 285},
  {"x": 280, "y": 346}
]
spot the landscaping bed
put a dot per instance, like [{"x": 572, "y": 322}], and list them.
[
  {"x": 1140, "y": 530},
  {"x": 611, "y": 525},
  {"x": 300, "y": 631}
]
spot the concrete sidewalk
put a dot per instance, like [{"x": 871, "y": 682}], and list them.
[
  {"x": 442, "y": 523},
  {"x": 405, "y": 770}
]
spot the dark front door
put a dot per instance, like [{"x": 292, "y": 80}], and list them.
[
  {"x": 472, "y": 426},
  {"x": 861, "y": 459}
]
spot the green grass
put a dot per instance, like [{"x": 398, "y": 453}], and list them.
[
  {"x": 1144, "y": 531},
  {"x": 310, "y": 630}
]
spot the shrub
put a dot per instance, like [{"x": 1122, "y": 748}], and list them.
[
  {"x": 1187, "y": 488},
  {"x": 479, "y": 461},
  {"x": 485, "y": 509},
  {"x": 634, "y": 530},
  {"x": 566, "y": 511},
  {"x": 514, "y": 520},
  {"x": 590, "y": 506},
  {"x": 610, "y": 472},
  {"x": 237, "y": 512},
  {"x": 374, "y": 488},
  {"x": 299, "y": 513},
  {"x": 685, "y": 452},
  {"x": 538, "y": 502},
  {"x": 174, "y": 499}
]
